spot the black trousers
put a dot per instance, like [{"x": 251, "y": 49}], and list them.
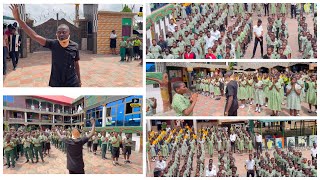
[
  {"x": 233, "y": 147},
  {"x": 80, "y": 171},
  {"x": 5, "y": 53},
  {"x": 14, "y": 58},
  {"x": 250, "y": 172},
  {"x": 233, "y": 112},
  {"x": 259, "y": 147},
  {"x": 256, "y": 41},
  {"x": 257, "y": 173},
  {"x": 266, "y": 9},
  {"x": 293, "y": 11}
]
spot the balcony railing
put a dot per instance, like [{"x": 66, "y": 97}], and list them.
[
  {"x": 17, "y": 120},
  {"x": 49, "y": 109}
]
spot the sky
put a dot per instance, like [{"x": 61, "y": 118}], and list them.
[
  {"x": 43, "y": 12},
  {"x": 73, "y": 96}
]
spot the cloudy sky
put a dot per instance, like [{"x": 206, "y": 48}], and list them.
[
  {"x": 73, "y": 96},
  {"x": 42, "y": 12}
]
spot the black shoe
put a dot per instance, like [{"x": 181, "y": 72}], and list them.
[
  {"x": 32, "y": 161},
  {"x": 14, "y": 68},
  {"x": 252, "y": 57},
  {"x": 27, "y": 161},
  {"x": 42, "y": 161},
  {"x": 13, "y": 166},
  {"x": 8, "y": 167},
  {"x": 37, "y": 161}
]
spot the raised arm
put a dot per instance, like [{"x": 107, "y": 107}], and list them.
[
  {"x": 59, "y": 135},
  {"x": 33, "y": 35},
  {"x": 93, "y": 130}
]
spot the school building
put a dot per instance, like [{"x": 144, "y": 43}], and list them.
[
  {"x": 90, "y": 29},
  {"x": 116, "y": 113},
  {"x": 157, "y": 20},
  {"x": 40, "y": 110}
]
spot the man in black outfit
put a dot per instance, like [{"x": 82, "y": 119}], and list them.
[
  {"x": 258, "y": 37},
  {"x": 293, "y": 10},
  {"x": 65, "y": 69},
  {"x": 75, "y": 163},
  {"x": 232, "y": 106},
  {"x": 266, "y": 9}
]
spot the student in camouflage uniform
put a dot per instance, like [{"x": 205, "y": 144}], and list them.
[
  {"x": 8, "y": 147},
  {"x": 127, "y": 144},
  {"x": 36, "y": 140},
  {"x": 27, "y": 147}
]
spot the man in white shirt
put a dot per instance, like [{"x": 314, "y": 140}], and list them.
[
  {"x": 211, "y": 172},
  {"x": 160, "y": 166},
  {"x": 215, "y": 33},
  {"x": 314, "y": 151},
  {"x": 258, "y": 34},
  {"x": 209, "y": 41},
  {"x": 233, "y": 138},
  {"x": 293, "y": 10},
  {"x": 250, "y": 165},
  {"x": 171, "y": 26},
  {"x": 258, "y": 142}
]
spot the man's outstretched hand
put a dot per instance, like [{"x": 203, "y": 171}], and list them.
[
  {"x": 15, "y": 11},
  {"x": 93, "y": 121}
]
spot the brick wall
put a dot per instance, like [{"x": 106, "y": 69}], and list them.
[{"x": 108, "y": 21}]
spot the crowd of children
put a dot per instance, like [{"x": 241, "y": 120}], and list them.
[
  {"x": 187, "y": 153},
  {"x": 36, "y": 144},
  {"x": 206, "y": 34},
  {"x": 131, "y": 49},
  {"x": 266, "y": 89}
]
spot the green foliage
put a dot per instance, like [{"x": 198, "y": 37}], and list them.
[{"x": 126, "y": 9}]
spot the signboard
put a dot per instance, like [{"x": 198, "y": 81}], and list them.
[
  {"x": 135, "y": 103},
  {"x": 312, "y": 139},
  {"x": 270, "y": 143},
  {"x": 291, "y": 142},
  {"x": 280, "y": 142},
  {"x": 302, "y": 141}
]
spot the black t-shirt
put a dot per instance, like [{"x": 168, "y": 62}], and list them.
[
  {"x": 74, "y": 153},
  {"x": 63, "y": 72},
  {"x": 266, "y": 56},
  {"x": 163, "y": 45},
  {"x": 232, "y": 90}
]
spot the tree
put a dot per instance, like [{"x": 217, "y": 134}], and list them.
[{"x": 126, "y": 9}]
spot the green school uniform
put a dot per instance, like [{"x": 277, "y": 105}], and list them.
[
  {"x": 180, "y": 103},
  {"x": 293, "y": 99},
  {"x": 123, "y": 45},
  {"x": 311, "y": 96},
  {"x": 242, "y": 94},
  {"x": 274, "y": 101}
]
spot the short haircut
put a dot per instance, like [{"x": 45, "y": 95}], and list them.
[
  {"x": 177, "y": 85},
  {"x": 63, "y": 26},
  {"x": 228, "y": 74}
]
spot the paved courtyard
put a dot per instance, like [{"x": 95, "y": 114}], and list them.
[
  {"x": 57, "y": 164},
  {"x": 292, "y": 40},
  {"x": 239, "y": 163},
  {"x": 207, "y": 106},
  {"x": 96, "y": 71}
]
